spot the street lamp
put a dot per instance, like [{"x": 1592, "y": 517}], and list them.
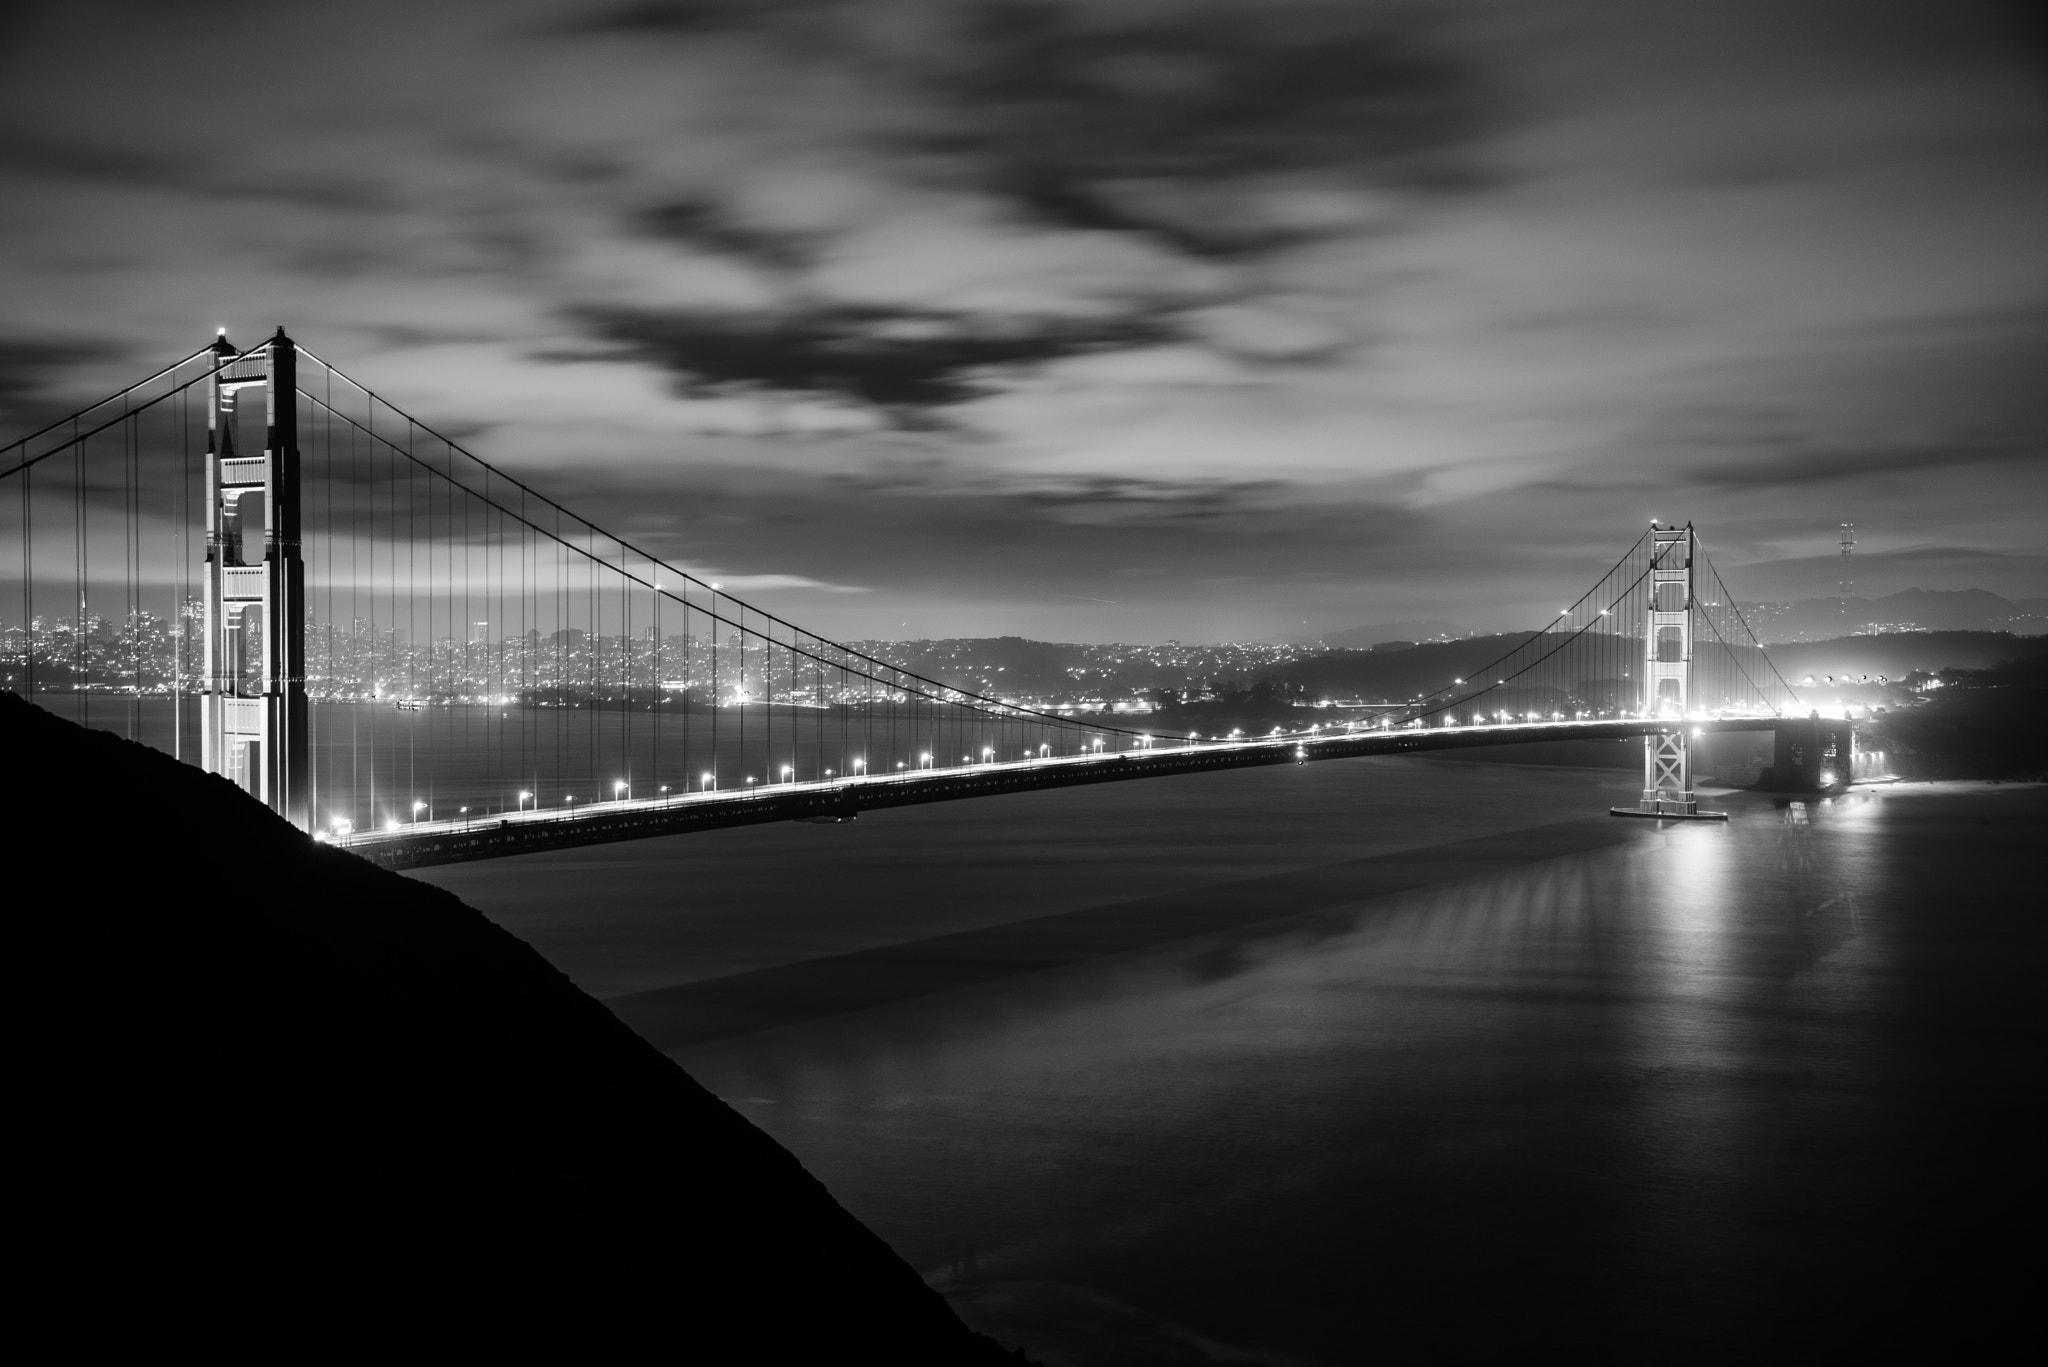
[
  {"x": 664, "y": 794},
  {"x": 418, "y": 807},
  {"x": 621, "y": 791},
  {"x": 787, "y": 771},
  {"x": 524, "y": 798},
  {"x": 710, "y": 782}
]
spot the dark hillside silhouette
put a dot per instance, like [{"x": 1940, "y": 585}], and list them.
[{"x": 271, "y": 1103}]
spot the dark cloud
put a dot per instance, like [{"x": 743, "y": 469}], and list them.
[
  {"x": 1793, "y": 469},
  {"x": 702, "y": 225},
  {"x": 84, "y": 160},
  {"x": 904, "y": 363},
  {"x": 675, "y": 16},
  {"x": 1128, "y": 501},
  {"x": 1103, "y": 117},
  {"x": 30, "y": 375}
]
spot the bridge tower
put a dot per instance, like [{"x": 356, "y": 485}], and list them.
[
  {"x": 1667, "y": 674},
  {"x": 252, "y": 698}
]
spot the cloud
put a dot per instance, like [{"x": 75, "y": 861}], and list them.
[
  {"x": 1188, "y": 123},
  {"x": 761, "y": 583},
  {"x": 1796, "y": 468},
  {"x": 993, "y": 299},
  {"x": 685, "y": 18},
  {"x": 704, "y": 226},
  {"x": 906, "y": 363},
  {"x": 31, "y": 382}
]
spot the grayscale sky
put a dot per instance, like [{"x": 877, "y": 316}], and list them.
[{"x": 1110, "y": 319}]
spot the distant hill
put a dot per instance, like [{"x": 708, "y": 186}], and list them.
[
  {"x": 1818, "y": 619},
  {"x": 1900, "y": 653},
  {"x": 1395, "y": 676},
  {"x": 1364, "y": 638},
  {"x": 279, "y": 1105}
]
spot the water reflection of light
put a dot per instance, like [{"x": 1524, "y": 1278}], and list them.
[
  {"x": 1685, "y": 1038},
  {"x": 1692, "y": 886}
]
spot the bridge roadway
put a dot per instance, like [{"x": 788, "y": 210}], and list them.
[{"x": 424, "y": 843}]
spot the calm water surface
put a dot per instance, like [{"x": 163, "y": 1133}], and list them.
[{"x": 1375, "y": 1060}]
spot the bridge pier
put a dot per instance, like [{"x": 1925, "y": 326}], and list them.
[{"x": 1810, "y": 755}]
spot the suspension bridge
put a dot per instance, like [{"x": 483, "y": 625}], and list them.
[{"x": 260, "y": 565}]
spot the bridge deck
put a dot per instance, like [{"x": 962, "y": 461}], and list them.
[{"x": 421, "y": 844}]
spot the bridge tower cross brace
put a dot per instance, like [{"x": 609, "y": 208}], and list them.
[
  {"x": 1667, "y": 674},
  {"x": 253, "y": 723}
]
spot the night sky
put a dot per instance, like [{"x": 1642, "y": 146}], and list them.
[{"x": 1109, "y": 319}]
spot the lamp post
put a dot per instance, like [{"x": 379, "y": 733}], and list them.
[
  {"x": 621, "y": 791},
  {"x": 524, "y": 798},
  {"x": 418, "y": 807}
]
